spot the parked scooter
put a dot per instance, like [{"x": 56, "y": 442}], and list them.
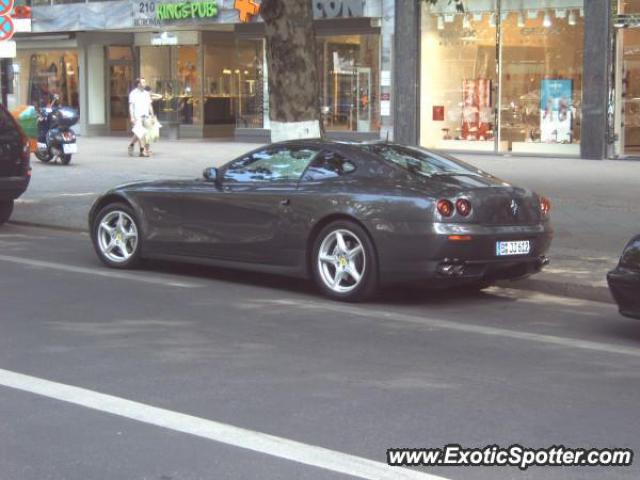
[{"x": 56, "y": 139}]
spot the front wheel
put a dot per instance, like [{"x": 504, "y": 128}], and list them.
[
  {"x": 345, "y": 265},
  {"x": 65, "y": 159},
  {"x": 6, "y": 208},
  {"x": 116, "y": 236},
  {"x": 44, "y": 157}
]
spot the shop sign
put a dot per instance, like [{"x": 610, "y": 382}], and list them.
[
  {"x": 186, "y": 10},
  {"x": 338, "y": 8},
  {"x": 21, "y": 18},
  {"x": 165, "y": 38},
  {"x": 247, "y": 9}
]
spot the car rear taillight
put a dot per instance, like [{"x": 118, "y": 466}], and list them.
[
  {"x": 545, "y": 206},
  {"x": 445, "y": 207},
  {"x": 463, "y": 206}
]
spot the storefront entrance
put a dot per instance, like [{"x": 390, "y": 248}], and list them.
[
  {"x": 627, "y": 80},
  {"x": 121, "y": 73},
  {"x": 502, "y": 76}
]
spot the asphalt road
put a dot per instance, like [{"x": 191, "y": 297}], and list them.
[{"x": 176, "y": 372}]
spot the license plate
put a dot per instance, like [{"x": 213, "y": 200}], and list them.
[
  {"x": 522, "y": 247},
  {"x": 68, "y": 148}
]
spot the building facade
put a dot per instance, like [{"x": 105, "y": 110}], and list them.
[
  {"x": 522, "y": 77},
  {"x": 205, "y": 59}
]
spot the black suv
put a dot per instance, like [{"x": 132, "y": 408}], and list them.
[{"x": 15, "y": 170}]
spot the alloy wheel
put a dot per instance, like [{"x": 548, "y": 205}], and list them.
[
  {"x": 342, "y": 261},
  {"x": 117, "y": 236}
]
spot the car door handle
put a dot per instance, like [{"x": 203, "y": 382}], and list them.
[{"x": 285, "y": 202}]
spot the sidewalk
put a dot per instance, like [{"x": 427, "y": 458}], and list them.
[{"x": 595, "y": 203}]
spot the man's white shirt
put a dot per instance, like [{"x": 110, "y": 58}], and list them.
[{"x": 140, "y": 100}]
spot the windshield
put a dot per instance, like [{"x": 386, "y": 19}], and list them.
[{"x": 421, "y": 162}]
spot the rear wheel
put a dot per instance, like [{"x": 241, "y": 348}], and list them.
[
  {"x": 6, "y": 208},
  {"x": 116, "y": 236},
  {"x": 345, "y": 266}
]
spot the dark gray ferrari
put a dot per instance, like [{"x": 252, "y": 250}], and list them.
[{"x": 351, "y": 216}]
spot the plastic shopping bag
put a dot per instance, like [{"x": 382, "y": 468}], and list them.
[
  {"x": 139, "y": 131},
  {"x": 153, "y": 131}
]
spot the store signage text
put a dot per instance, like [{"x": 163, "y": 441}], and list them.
[
  {"x": 186, "y": 10},
  {"x": 338, "y": 8}
]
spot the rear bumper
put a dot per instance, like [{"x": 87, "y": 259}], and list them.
[
  {"x": 434, "y": 257},
  {"x": 12, "y": 187},
  {"x": 625, "y": 288}
]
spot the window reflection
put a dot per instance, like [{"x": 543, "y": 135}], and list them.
[{"x": 270, "y": 166}]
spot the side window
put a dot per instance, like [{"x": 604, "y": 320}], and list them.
[
  {"x": 328, "y": 165},
  {"x": 281, "y": 165}
]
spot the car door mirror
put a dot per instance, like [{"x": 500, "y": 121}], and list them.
[{"x": 210, "y": 174}]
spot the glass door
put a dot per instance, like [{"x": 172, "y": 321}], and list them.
[
  {"x": 628, "y": 92},
  {"x": 363, "y": 87},
  {"x": 121, "y": 71},
  {"x": 121, "y": 82}
]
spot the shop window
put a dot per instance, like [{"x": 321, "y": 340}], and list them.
[
  {"x": 349, "y": 67},
  {"x": 39, "y": 75},
  {"x": 628, "y": 6},
  {"x": 458, "y": 78},
  {"x": 533, "y": 107},
  {"x": 234, "y": 88},
  {"x": 541, "y": 84},
  {"x": 173, "y": 74}
]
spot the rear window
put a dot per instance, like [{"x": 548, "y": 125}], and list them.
[{"x": 421, "y": 162}]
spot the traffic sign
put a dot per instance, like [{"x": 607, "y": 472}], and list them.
[
  {"x": 5, "y": 7},
  {"x": 6, "y": 28}
]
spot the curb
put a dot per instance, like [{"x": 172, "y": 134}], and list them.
[{"x": 561, "y": 288}]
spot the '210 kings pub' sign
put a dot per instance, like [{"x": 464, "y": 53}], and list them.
[
  {"x": 151, "y": 12},
  {"x": 158, "y": 12}
]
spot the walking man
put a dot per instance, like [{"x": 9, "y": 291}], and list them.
[{"x": 140, "y": 110}]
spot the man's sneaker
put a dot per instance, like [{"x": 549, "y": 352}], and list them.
[{"x": 130, "y": 149}]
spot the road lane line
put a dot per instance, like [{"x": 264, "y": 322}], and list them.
[
  {"x": 219, "y": 432},
  {"x": 463, "y": 327},
  {"x": 99, "y": 272}
]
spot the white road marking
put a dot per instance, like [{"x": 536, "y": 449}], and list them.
[
  {"x": 219, "y": 432},
  {"x": 463, "y": 327},
  {"x": 99, "y": 272}
]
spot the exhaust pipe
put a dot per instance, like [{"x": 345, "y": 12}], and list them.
[{"x": 451, "y": 270}]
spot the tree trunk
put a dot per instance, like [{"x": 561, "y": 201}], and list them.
[{"x": 294, "y": 90}]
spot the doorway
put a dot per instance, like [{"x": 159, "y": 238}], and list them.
[{"x": 121, "y": 73}]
